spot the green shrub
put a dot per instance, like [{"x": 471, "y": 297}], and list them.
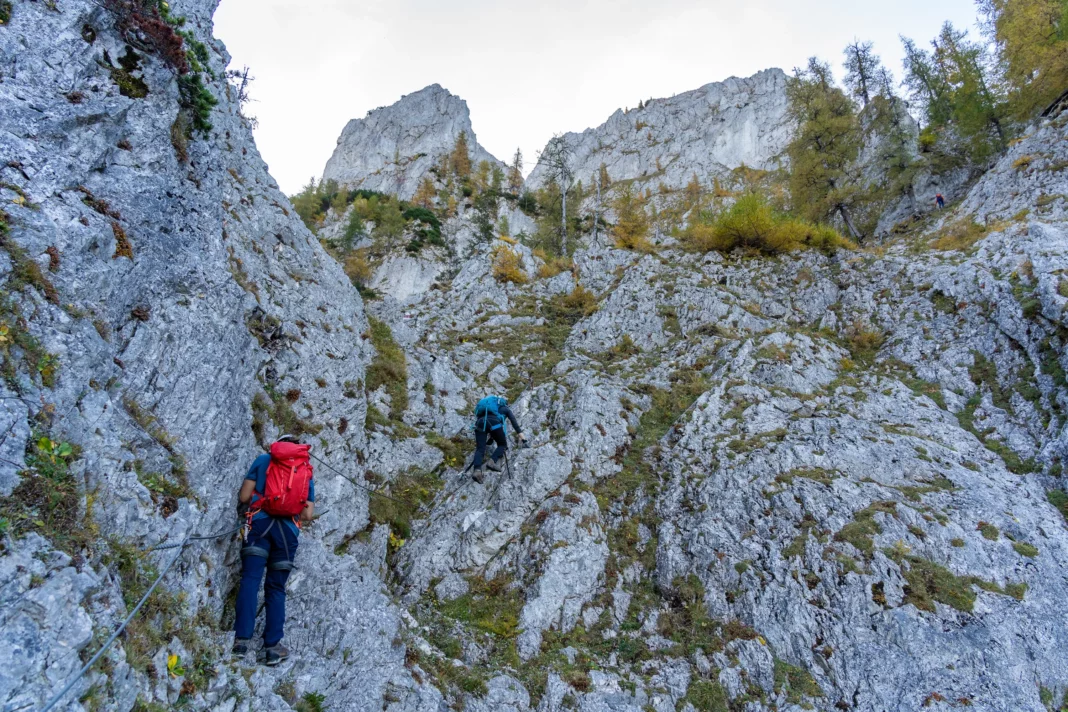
[
  {"x": 408, "y": 493},
  {"x": 389, "y": 368},
  {"x": 5, "y": 12},
  {"x": 753, "y": 225},
  {"x": 508, "y": 266},
  {"x": 989, "y": 531}
]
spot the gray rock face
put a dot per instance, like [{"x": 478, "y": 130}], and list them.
[
  {"x": 393, "y": 148},
  {"x": 707, "y": 131},
  {"x": 184, "y": 291},
  {"x": 803, "y": 482}
]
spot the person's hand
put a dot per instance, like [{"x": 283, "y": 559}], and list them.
[{"x": 242, "y": 509}]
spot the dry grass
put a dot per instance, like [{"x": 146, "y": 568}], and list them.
[{"x": 960, "y": 235}]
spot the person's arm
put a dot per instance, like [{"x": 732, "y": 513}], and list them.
[
  {"x": 248, "y": 488},
  {"x": 308, "y": 513},
  {"x": 507, "y": 412}
]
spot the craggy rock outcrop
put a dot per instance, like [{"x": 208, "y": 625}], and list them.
[
  {"x": 707, "y": 132},
  {"x": 806, "y": 482},
  {"x": 160, "y": 302},
  {"x": 393, "y": 148},
  {"x": 845, "y": 459}
]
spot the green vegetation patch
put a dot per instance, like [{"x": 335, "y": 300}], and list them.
[
  {"x": 988, "y": 530},
  {"x": 48, "y": 498},
  {"x": 753, "y": 225},
  {"x": 491, "y": 607},
  {"x": 665, "y": 413},
  {"x": 1025, "y": 549},
  {"x": 1059, "y": 499},
  {"x": 860, "y": 532},
  {"x": 408, "y": 493},
  {"x": 707, "y": 696},
  {"x": 389, "y": 368},
  {"x": 796, "y": 682},
  {"x": 278, "y": 410}
]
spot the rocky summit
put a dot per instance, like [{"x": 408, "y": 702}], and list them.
[
  {"x": 393, "y": 148},
  {"x": 707, "y": 132},
  {"x": 825, "y": 479}
]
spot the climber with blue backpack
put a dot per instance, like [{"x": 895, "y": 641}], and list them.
[
  {"x": 278, "y": 493},
  {"x": 490, "y": 422}
]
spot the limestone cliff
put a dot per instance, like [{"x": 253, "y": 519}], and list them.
[
  {"x": 707, "y": 132},
  {"x": 393, "y": 148},
  {"x": 815, "y": 481}
]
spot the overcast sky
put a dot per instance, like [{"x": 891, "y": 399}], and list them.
[{"x": 527, "y": 69}]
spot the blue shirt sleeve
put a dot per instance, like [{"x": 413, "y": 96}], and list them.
[
  {"x": 258, "y": 472},
  {"x": 311, "y": 489},
  {"x": 507, "y": 412}
]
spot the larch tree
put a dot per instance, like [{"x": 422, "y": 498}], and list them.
[
  {"x": 977, "y": 112},
  {"x": 885, "y": 117},
  {"x": 1031, "y": 37},
  {"x": 515, "y": 173},
  {"x": 425, "y": 194},
  {"x": 460, "y": 158},
  {"x": 927, "y": 84},
  {"x": 862, "y": 70},
  {"x": 825, "y": 147},
  {"x": 557, "y": 159}
]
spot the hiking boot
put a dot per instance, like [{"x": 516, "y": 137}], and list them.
[
  {"x": 240, "y": 647},
  {"x": 492, "y": 465},
  {"x": 478, "y": 475},
  {"x": 273, "y": 655}
]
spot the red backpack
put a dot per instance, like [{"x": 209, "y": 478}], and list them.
[{"x": 288, "y": 479}]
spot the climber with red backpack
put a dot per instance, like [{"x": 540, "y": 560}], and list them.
[
  {"x": 490, "y": 414},
  {"x": 277, "y": 495}
]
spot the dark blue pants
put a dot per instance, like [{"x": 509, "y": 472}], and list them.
[
  {"x": 482, "y": 440},
  {"x": 271, "y": 545}
]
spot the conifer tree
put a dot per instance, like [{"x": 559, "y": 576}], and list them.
[
  {"x": 515, "y": 173},
  {"x": 862, "y": 70},
  {"x": 1032, "y": 42},
  {"x": 603, "y": 177},
  {"x": 977, "y": 112},
  {"x": 694, "y": 192},
  {"x": 460, "y": 158},
  {"x": 927, "y": 84},
  {"x": 425, "y": 194},
  {"x": 825, "y": 147}
]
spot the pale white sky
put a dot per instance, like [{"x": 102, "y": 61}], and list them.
[{"x": 527, "y": 69}]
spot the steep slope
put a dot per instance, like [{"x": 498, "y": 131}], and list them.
[
  {"x": 161, "y": 304},
  {"x": 393, "y": 148},
  {"x": 809, "y": 481},
  {"x": 707, "y": 132}
]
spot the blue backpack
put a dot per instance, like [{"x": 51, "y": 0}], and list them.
[{"x": 490, "y": 405}]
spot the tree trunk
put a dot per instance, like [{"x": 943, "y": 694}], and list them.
[
  {"x": 597, "y": 219},
  {"x": 563, "y": 226},
  {"x": 844, "y": 212}
]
